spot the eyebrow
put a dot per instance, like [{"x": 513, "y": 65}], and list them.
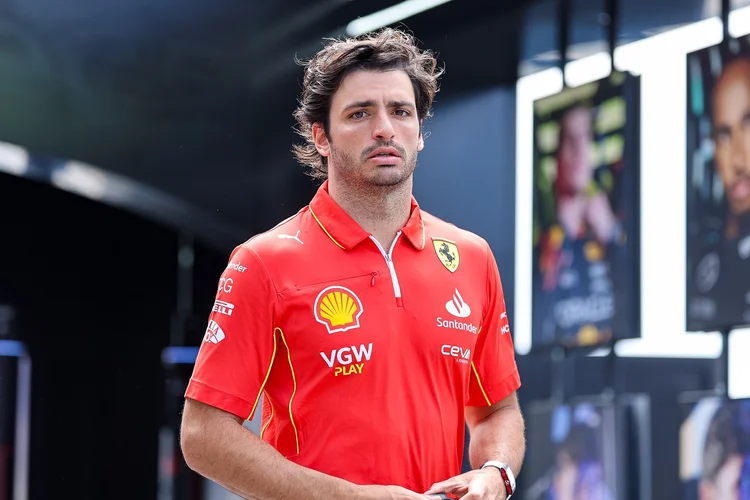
[
  {"x": 723, "y": 128},
  {"x": 720, "y": 130},
  {"x": 371, "y": 103}
]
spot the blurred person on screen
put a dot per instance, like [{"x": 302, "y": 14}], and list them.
[
  {"x": 722, "y": 274},
  {"x": 579, "y": 472},
  {"x": 725, "y": 454},
  {"x": 577, "y": 296},
  {"x": 731, "y": 124}
]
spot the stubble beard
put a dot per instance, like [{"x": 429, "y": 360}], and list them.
[{"x": 351, "y": 169}]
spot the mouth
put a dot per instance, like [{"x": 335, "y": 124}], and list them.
[
  {"x": 740, "y": 190},
  {"x": 382, "y": 154}
]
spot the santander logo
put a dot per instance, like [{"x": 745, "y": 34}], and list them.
[{"x": 457, "y": 307}]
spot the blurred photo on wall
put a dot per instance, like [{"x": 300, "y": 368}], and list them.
[
  {"x": 586, "y": 215},
  {"x": 718, "y": 187},
  {"x": 571, "y": 452},
  {"x": 715, "y": 448}
]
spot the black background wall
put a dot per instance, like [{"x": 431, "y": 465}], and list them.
[{"x": 95, "y": 288}]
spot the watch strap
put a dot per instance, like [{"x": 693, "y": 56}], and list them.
[{"x": 507, "y": 474}]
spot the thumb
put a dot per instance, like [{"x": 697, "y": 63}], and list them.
[
  {"x": 441, "y": 487},
  {"x": 435, "y": 489},
  {"x": 449, "y": 490}
]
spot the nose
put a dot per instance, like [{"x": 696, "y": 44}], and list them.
[{"x": 382, "y": 128}]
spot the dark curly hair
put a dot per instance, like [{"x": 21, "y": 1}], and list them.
[
  {"x": 384, "y": 50},
  {"x": 726, "y": 436}
]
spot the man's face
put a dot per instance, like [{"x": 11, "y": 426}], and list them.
[
  {"x": 731, "y": 122},
  {"x": 726, "y": 486},
  {"x": 574, "y": 153},
  {"x": 371, "y": 111}
]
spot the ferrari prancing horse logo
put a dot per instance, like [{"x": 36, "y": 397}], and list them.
[{"x": 447, "y": 252}]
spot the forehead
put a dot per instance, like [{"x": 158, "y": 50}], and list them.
[
  {"x": 733, "y": 90},
  {"x": 379, "y": 86},
  {"x": 576, "y": 121}
]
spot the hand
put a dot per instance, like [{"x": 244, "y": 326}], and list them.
[
  {"x": 392, "y": 492},
  {"x": 481, "y": 484},
  {"x": 601, "y": 218}
]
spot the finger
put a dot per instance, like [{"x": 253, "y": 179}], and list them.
[
  {"x": 443, "y": 486},
  {"x": 437, "y": 488},
  {"x": 451, "y": 484}
]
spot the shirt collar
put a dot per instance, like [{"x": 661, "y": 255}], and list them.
[{"x": 346, "y": 233}]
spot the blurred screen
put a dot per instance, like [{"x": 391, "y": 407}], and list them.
[
  {"x": 571, "y": 452},
  {"x": 718, "y": 187},
  {"x": 715, "y": 449},
  {"x": 585, "y": 221}
]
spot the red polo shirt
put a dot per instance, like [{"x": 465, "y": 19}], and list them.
[{"x": 366, "y": 355}]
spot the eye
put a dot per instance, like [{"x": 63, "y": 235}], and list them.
[
  {"x": 721, "y": 136},
  {"x": 357, "y": 115},
  {"x": 403, "y": 112}
]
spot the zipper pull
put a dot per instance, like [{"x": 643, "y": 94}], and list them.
[{"x": 373, "y": 278}]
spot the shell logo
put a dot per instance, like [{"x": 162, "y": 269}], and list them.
[{"x": 338, "y": 308}]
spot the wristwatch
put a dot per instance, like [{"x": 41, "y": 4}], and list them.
[{"x": 508, "y": 478}]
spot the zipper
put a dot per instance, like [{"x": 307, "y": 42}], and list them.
[
  {"x": 337, "y": 280},
  {"x": 391, "y": 269}
]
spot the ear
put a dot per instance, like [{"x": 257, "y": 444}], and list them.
[
  {"x": 322, "y": 144},
  {"x": 420, "y": 141}
]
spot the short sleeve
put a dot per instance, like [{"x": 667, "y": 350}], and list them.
[
  {"x": 238, "y": 348},
  {"x": 494, "y": 372}
]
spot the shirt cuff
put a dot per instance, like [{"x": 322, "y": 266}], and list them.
[{"x": 216, "y": 397}]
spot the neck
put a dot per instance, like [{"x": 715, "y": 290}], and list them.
[{"x": 380, "y": 210}]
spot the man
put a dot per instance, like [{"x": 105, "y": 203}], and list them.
[
  {"x": 575, "y": 298},
  {"x": 731, "y": 121},
  {"x": 726, "y": 450},
  {"x": 373, "y": 329},
  {"x": 720, "y": 287}
]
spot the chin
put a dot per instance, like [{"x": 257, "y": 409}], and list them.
[
  {"x": 741, "y": 207},
  {"x": 389, "y": 178}
]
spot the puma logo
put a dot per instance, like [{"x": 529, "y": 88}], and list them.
[{"x": 289, "y": 237}]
